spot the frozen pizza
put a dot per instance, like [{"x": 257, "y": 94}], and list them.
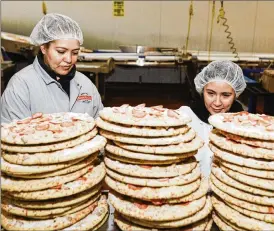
[
  {"x": 141, "y": 115},
  {"x": 46, "y": 128},
  {"x": 245, "y": 124}
]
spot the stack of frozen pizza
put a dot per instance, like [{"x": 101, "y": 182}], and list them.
[
  {"x": 154, "y": 178},
  {"x": 51, "y": 177},
  {"x": 242, "y": 177}
]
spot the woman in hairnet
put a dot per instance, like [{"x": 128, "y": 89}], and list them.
[
  {"x": 219, "y": 85},
  {"x": 51, "y": 84}
]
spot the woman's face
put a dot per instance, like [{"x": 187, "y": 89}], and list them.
[
  {"x": 218, "y": 97},
  {"x": 61, "y": 55}
]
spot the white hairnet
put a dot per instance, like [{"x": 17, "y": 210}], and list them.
[
  {"x": 226, "y": 71},
  {"x": 55, "y": 26}
]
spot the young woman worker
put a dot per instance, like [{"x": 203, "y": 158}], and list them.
[
  {"x": 219, "y": 84},
  {"x": 51, "y": 84}
]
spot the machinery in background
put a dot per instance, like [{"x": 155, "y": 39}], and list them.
[
  {"x": 100, "y": 64},
  {"x": 221, "y": 17},
  {"x": 18, "y": 45}
]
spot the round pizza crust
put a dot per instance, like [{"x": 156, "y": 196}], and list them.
[
  {"x": 250, "y": 171},
  {"x": 241, "y": 203},
  {"x": 160, "y": 182},
  {"x": 46, "y": 128},
  {"x": 118, "y": 151},
  {"x": 200, "y": 216},
  {"x": 249, "y": 141},
  {"x": 80, "y": 151},
  {"x": 256, "y": 199},
  {"x": 240, "y": 160},
  {"x": 144, "y": 116},
  {"x": 172, "y": 149},
  {"x": 15, "y": 223},
  {"x": 134, "y": 170},
  {"x": 12, "y": 184},
  {"x": 139, "y": 130},
  {"x": 222, "y": 176},
  {"x": 181, "y": 138},
  {"x": 149, "y": 212},
  {"x": 245, "y": 124},
  {"x": 149, "y": 193},
  {"x": 49, "y": 147},
  {"x": 242, "y": 149},
  {"x": 95, "y": 219},
  {"x": 239, "y": 219},
  {"x": 57, "y": 203},
  {"x": 87, "y": 181}
]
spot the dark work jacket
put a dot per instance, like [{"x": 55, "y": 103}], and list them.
[{"x": 200, "y": 110}]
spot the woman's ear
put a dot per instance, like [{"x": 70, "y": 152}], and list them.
[{"x": 43, "y": 49}]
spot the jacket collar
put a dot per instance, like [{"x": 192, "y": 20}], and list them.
[
  {"x": 42, "y": 73},
  {"x": 46, "y": 77}
]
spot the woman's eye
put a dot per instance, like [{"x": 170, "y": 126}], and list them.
[
  {"x": 61, "y": 52},
  {"x": 75, "y": 53}
]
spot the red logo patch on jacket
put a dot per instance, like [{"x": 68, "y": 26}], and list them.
[{"x": 84, "y": 97}]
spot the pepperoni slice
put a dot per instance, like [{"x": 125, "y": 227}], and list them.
[
  {"x": 75, "y": 119},
  {"x": 253, "y": 123},
  {"x": 172, "y": 114},
  {"x": 266, "y": 117},
  {"x": 141, "y": 206},
  {"x": 12, "y": 128},
  {"x": 25, "y": 121},
  {"x": 59, "y": 186},
  {"x": 155, "y": 113},
  {"x": 270, "y": 128},
  {"x": 67, "y": 124},
  {"x": 40, "y": 120},
  {"x": 184, "y": 204},
  {"x": 158, "y": 108},
  {"x": 42, "y": 127},
  {"x": 158, "y": 202},
  {"x": 27, "y": 132},
  {"x": 20, "y": 130},
  {"x": 140, "y": 105},
  {"x": 243, "y": 113},
  {"x": 146, "y": 166},
  {"x": 43, "y": 119},
  {"x": 227, "y": 138},
  {"x": 134, "y": 187},
  {"x": 115, "y": 110},
  {"x": 124, "y": 106},
  {"x": 271, "y": 210},
  {"x": 233, "y": 137},
  {"x": 37, "y": 115},
  {"x": 228, "y": 118},
  {"x": 55, "y": 122},
  {"x": 242, "y": 118},
  {"x": 54, "y": 128},
  {"x": 138, "y": 113}
]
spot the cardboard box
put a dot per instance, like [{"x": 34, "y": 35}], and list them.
[{"x": 268, "y": 80}]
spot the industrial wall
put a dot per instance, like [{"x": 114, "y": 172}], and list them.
[{"x": 154, "y": 23}]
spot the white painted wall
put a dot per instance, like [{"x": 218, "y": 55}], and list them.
[{"x": 153, "y": 23}]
